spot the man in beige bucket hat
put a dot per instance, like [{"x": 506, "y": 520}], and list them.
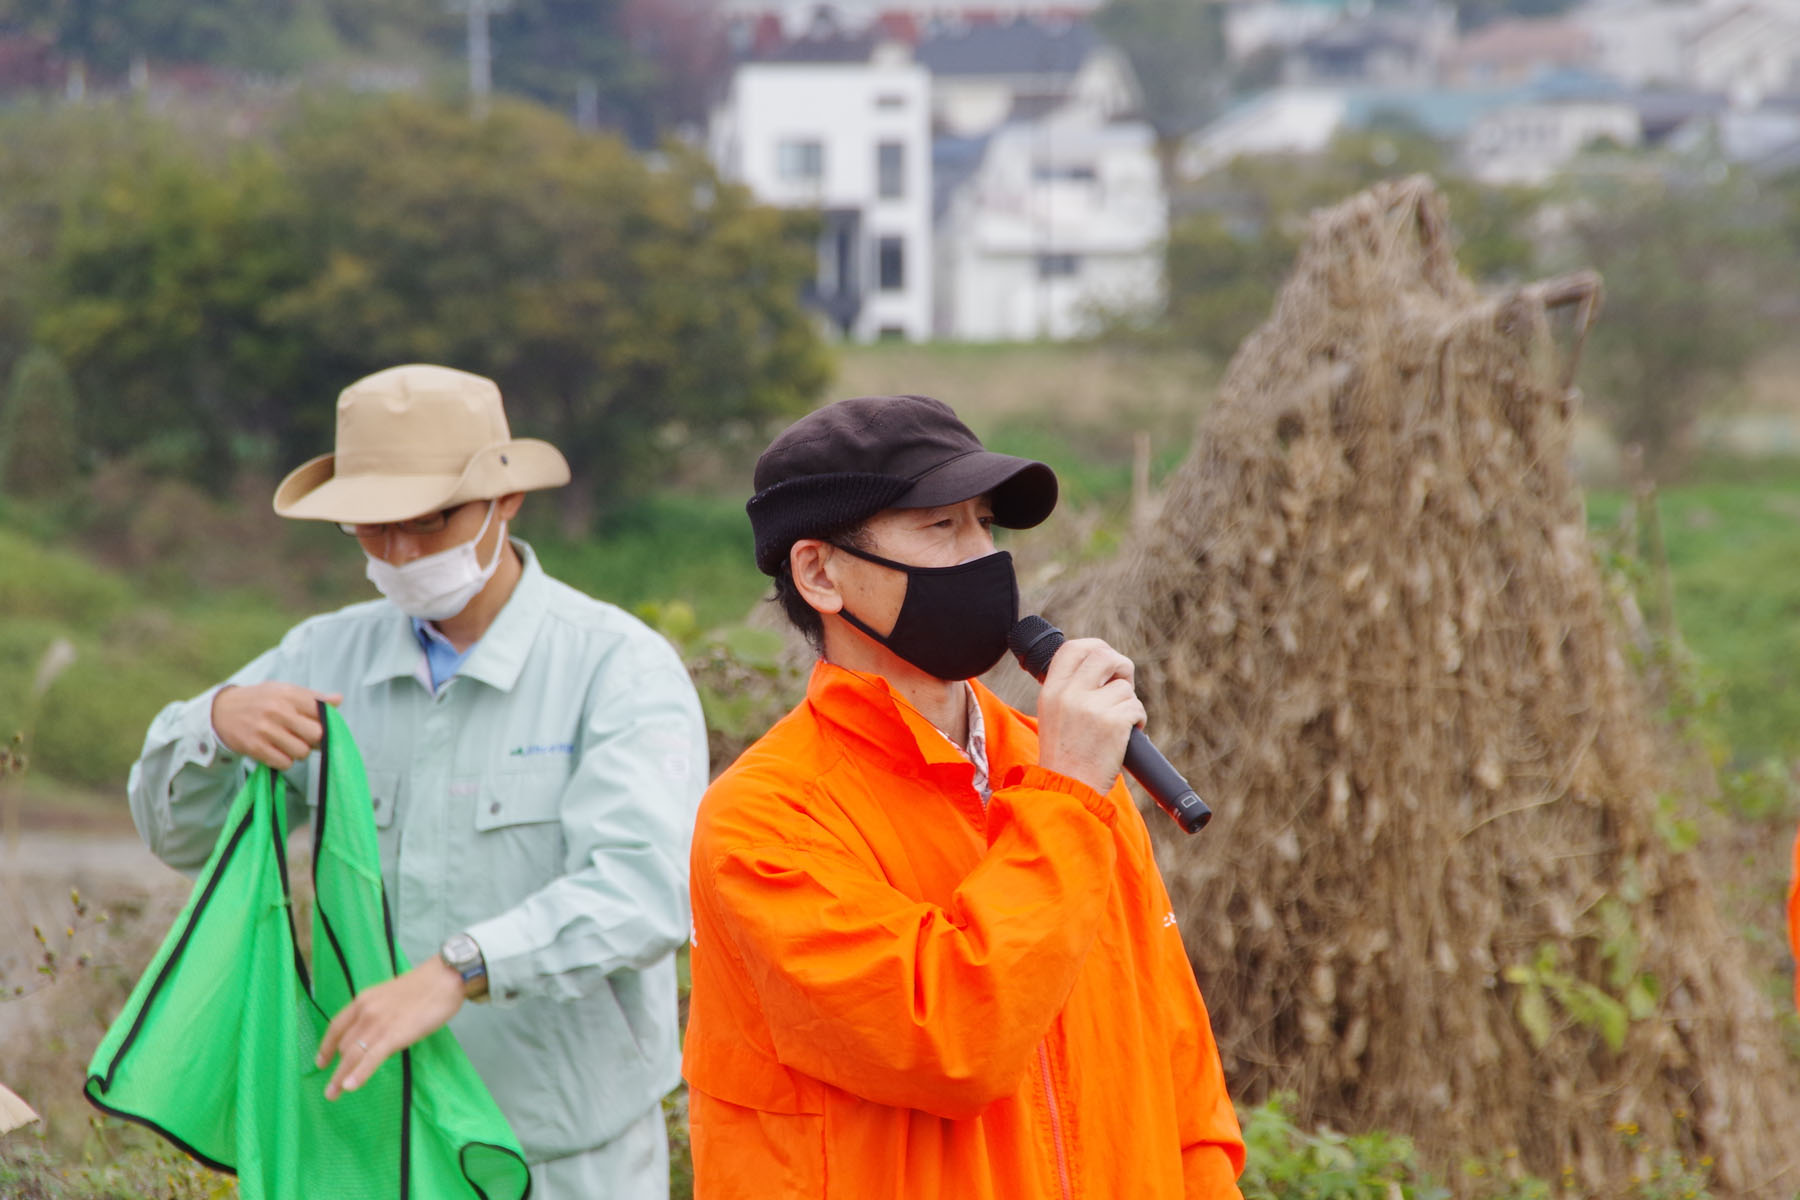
[{"x": 534, "y": 757}]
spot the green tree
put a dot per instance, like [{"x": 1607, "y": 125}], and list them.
[
  {"x": 50, "y": 156},
  {"x": 1222, "y": 282},
  {"x": 649, "y": 65},
  {"x": 1228, "y": 255},
  {"x": 39, "y": 453},
  {"x": 550, "y": 49},
  {"x": 210, "y": 297},
  {"x": 162, "y": 280},
  {"x": 1177, "y": 50},
  {"x": 262, "y": 35},
  {"x": 624, "y": 308},
  {"x": 1692, "y": 272}
]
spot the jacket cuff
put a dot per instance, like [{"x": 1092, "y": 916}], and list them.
[
  {"x": 1044, "y": 780},
  {"x": 196, "y": 741},
  {"x": 508, "y": 962},
  {"x": 1208, "y": 1173}
]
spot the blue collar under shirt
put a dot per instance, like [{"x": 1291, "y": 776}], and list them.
[{"x": 441, "y": 658}]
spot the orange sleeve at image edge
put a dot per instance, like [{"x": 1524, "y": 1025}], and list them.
[{"x": 1793, "y": 919}]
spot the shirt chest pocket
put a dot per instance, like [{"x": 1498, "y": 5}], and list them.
[
  {"x": 518, "y": 835},
  {"x": 384, "y": 796},
  {"x": 386, "y": 799},
  {"x": 519, "y": 798}
]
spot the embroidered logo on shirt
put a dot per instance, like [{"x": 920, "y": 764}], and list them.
[
  {"x": 535, "y": 749},
  {"x": 1169, "y": 919}
]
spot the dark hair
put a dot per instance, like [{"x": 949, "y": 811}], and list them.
[{"x": 800, "y": 614}]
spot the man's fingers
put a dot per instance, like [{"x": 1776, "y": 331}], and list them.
[
  {"x": 270, "y": 757},
  {"x": 334, "y": 1032},
  {"x": 1119, "y": 692},
  {"x": 284, "y": 745},
  {"x": 273, "y": 722},
  {"x": 1090, "y": 662},
  {"x": 359, "y": 1050},
  {"x": 1075, "y": 665},
  {"x": 304, "y": 726},
  {"x": 360, "y": 1060}
]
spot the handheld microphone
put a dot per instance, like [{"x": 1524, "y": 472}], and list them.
[{"x": 1035, "y": 641}]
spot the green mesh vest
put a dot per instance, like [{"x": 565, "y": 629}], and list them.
[{"x": 215, "y": 1048}]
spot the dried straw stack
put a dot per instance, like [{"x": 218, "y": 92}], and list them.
[{"x": 1370, "y": 629}]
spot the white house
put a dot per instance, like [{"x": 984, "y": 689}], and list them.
[
  {"x": 1763, "y": 138},
  {"x": 844, "y": 128},
  {"x": 1638, "y": 42},
  {"x": 1746, "y": 51},
  {"x": 1518, "y": 51},
  {"x": 985, "y": 75},
  {"x": 1529, "y": 143},
  {"x": 1254, "y": 26},
  {"x": 795, "y": 17},
  {"x": 1400, "y": 46},
  {"x": 1057, "y": 219},
  {"x": 1279, "y": 121}
]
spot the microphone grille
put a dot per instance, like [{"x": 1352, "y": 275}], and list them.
[{"x": 1035, "y": 641}]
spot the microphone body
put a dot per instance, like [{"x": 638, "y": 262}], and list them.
[{"x": 1034, "y": 641}]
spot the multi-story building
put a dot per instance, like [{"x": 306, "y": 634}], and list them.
[
  {"x": 1058, "y": 222},
  {"x": 1041, "y": 207},
  {"x": 983, "y": 76},
  {"x": 844, "y": 126}
]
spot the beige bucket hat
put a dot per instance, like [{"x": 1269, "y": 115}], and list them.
[{"x": 412, "y": 440}]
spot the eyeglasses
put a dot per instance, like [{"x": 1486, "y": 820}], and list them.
[{"x": 429, "y": 523}]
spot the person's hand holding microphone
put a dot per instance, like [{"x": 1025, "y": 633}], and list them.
[
  {"x": 1086, "y": 712},
  {"x": 1041, "y": 649}
]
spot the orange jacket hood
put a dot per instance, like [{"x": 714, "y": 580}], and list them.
[{"x": 899, "y": 992}]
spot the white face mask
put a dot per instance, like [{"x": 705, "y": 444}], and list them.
[{"x": 438, "y": 586}]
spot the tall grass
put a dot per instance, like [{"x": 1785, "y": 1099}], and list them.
[{"x": 1732, "y": 540}]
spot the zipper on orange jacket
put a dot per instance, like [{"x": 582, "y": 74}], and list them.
[{"x": 1062, "y": 1159}]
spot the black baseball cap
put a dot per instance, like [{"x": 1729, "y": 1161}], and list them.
[{"x": 844, "y": 463}]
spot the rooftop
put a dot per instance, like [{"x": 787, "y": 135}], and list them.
[{"x": 1019, "y": 48}]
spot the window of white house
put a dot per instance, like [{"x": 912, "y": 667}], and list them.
[
  {"x": 1058, "y": 266},
  {"x": 890, "y": 264},
  {"x": 800, "y": 160},
  {"x": 890, "y": 170},
  {"x": 1050, "y": 172},
  {"x": 890, "y": 100}
]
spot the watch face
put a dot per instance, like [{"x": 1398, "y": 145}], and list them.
[{"x": 460, "y": 949}]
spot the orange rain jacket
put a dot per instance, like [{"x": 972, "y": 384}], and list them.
[
  {"x": 1794, "y": 920},
  {"x": 899, "y": 994}
]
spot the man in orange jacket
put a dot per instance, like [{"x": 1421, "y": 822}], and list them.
[
  {"x": 932, "y": 955},
  {"x": 1793, "y": 915}
]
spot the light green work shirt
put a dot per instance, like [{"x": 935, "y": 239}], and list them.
[{"x": 542, "y": 799}]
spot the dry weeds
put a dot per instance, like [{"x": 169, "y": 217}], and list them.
[{"x": 1440, "y": 895}]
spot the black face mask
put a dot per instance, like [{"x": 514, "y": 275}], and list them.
[{"x": 954, "y": 620}]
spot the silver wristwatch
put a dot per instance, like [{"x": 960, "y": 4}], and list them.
[{"x": 464, "y": 957}]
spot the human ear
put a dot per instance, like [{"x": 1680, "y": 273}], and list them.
[
  {"x": 809, "y": 561},
  {"x": 507, "y": 507}
]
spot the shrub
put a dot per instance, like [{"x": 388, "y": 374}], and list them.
[
  {"x": 39, "y": 452},
  {"x": 1284, "y": 1162}
]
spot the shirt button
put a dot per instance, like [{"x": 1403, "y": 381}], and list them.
[{"x": 494, "y": 807}]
